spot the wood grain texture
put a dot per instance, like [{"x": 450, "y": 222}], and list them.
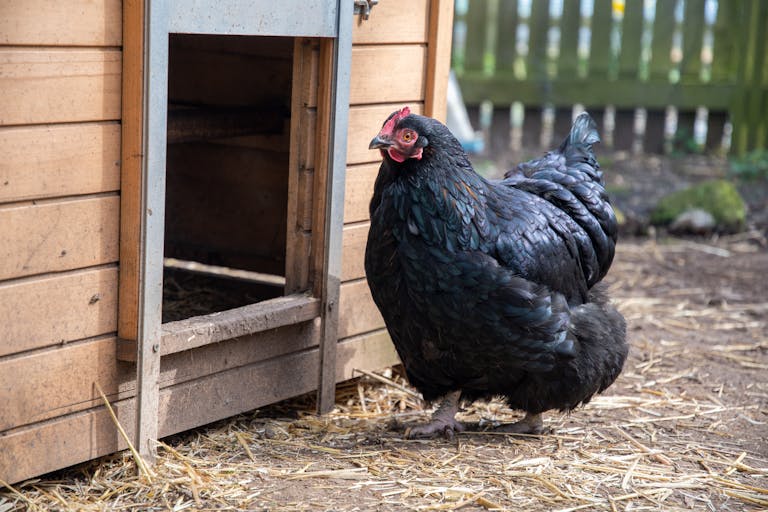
[
  {"x": 57, "y": 309},
  {"x": 77, "y": 437},
  {"x": 195, "y": 402},
  {"x": 321, "y": 163},
  {"x": 197, "y": 363},
  {"x": 59, "y": 160},
  {"x": 353, "y": 251},
  {"x": 364, "y": 123},
  {"x": 305, "y": 201},
  {"x": 58, "y": 236},
  {"x": 64, "y": 441},
  {"x": 387, "y": 73},
  {"x": 302, "y": 249},
  {"x": 393, "y": 21},
  {"x": 310, "y": 66},
  {"x": 303, "y": 130},
  {"x": 59, "y": 85},
  {"x": 264, "y": 316},
  {"x": 60, "y": 23},
  {"x": 439, "y": 58},
  {"x": 49, "y": 383},
  {"x": 357, "y": 311},
  {"x": 358, "y": 191},
  {"x": 132, "y": 153},
  {"x": 57, "y": 390}
]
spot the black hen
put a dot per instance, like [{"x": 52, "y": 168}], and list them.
[{"x": 488, "y": 287}]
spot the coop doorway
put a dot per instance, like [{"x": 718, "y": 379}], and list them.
[
  {"x": 227, "y": 174},
  {"x": 241, "y": 195},
  {"x": 233, "y": 160}
]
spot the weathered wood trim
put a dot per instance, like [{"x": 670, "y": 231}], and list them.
[
  {"x": 405, "y": 62},
  {"x": 59, "y": 23},
  {"x": 59, "y": 160},
  {"x": 300, "y": 178},
  {"x": 73, "y": 438},
  {"x": 154, "y": 106},
  {"x": 57, "y": 309},
  {"x": 58, "y": 235},
  {"x": 293, "y": 261},
  {"x": 131, "y": 172},
  {"x": 339, "y": 94},
  {"x": 304, "y": 193},
  {"x": 53, "y": 85},
  {"x": 326, "y": 286},
  {"x": 207, "y": 329},
  {"x": 438, "y": 58},
  {"x": 325, "y": 70},
  {"x": 189, "y": 365}
]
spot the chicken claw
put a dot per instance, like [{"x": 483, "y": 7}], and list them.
[
  {"x": 531, "y": 424},
  {"x": 443, "y": 420},
  {"x": 436, "y": 427}
]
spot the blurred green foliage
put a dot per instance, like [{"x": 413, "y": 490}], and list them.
[{"x": 751, "y": 166}]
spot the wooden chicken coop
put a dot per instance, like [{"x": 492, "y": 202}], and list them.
[{"x": 183, "y": 208}]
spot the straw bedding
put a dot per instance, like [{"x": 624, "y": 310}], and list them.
[{"x": 684, "y": 428}]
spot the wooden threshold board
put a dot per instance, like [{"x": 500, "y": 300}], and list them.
[{"x": 206, "y": 329}]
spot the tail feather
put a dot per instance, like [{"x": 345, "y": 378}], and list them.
[
  {"x": 577, "y": 151},
  {"x": 574, "y": 156},
  {"x": 583, "y": 131},
  {"x": 570, "y": 179}
]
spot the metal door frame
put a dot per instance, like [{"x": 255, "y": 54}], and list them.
[{"x": 292, "y": 18}]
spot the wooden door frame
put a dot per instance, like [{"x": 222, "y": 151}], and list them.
[{"x": 146, "y": 29}]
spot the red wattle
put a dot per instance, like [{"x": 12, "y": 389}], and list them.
[
  {"x": 396, "y": 155},
  {"x": 400, "y": 158}
]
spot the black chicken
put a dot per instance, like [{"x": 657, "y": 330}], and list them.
[{"x": 488, "y": 288}]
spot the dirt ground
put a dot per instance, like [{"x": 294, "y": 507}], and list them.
[{"x": 685, "y": 427}]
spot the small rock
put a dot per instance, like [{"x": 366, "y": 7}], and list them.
[{"x": 695, "y": 221}]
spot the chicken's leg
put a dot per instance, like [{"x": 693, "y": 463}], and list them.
[
  {"x": 443, "y": 420},
  {"x": 531, "y": 424}
]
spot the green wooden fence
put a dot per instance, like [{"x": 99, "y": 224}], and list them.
[{"x": 627, "y": 54}]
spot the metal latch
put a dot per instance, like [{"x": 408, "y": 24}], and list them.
[{"x": 363, "y": 7}]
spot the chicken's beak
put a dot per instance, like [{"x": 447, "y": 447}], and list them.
[{"x": 379, "y": 143}]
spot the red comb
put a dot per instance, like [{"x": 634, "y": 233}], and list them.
[{"x": 389, "y": 126}]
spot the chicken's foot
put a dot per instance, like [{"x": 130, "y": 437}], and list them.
[
  {"x": 531, "y": 424},
  {"x": 443, "y": 420}
]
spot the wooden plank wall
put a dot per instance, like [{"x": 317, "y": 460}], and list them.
[
  {"x": 60, "y": 77},
  {"x": 60, "y": 136},
  {"x": 400, "y": 56}
]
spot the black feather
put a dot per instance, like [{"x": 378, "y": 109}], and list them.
[{"x": 488, "y": 287}]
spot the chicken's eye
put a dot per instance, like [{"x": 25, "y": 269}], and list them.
[{"x": 408, "y": 136}]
